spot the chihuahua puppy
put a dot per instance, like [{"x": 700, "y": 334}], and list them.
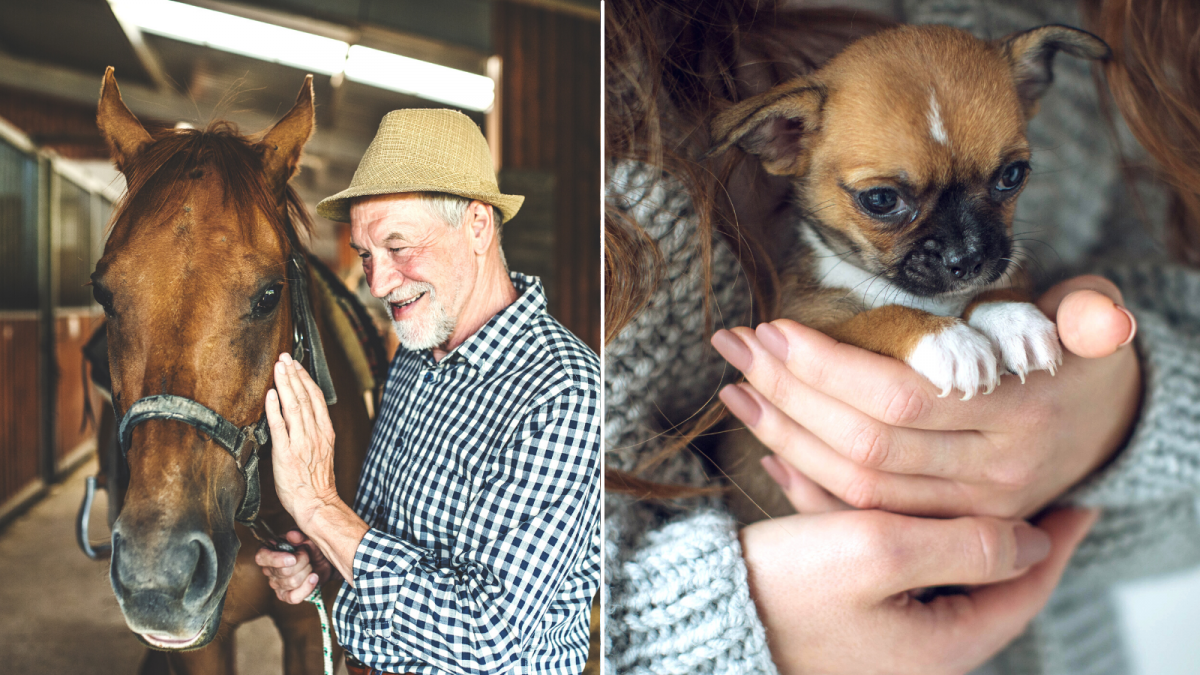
[{"x": 906, "y": 153}]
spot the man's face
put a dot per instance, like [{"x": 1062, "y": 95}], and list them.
[{"x": 420, "y": 267}]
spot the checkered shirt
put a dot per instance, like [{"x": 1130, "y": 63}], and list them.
[{"x": 482, "y": 489}]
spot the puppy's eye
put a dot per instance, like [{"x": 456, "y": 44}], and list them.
[
  {"x": 1012, "y": 176},
  {"x": 268, "y": 300},
  {"x": 881, "y": 201}
]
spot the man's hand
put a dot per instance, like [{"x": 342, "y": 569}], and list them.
[
  {"x": 874, "y": 434},
  {"x": 293, "y": 576},
  {"x": 833, "y": 590},
  {"x": 302, "y": 461},
  {"x": 301, "y": 442}
]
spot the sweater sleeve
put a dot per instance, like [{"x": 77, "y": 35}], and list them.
[
  {"x": 677, "y": 600},
  {"x": 1149, "y": 490}
]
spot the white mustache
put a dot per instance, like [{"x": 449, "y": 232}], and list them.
[{"x": 408, "y": 292}]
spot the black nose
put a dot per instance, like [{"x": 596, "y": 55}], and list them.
[
  {"x": 181, "y": 571},
  {"x": 963, "y": 265}
]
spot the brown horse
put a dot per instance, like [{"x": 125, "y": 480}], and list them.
[{"x": 202, "y": 291}]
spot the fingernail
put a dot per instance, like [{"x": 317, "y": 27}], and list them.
[
  {"x": 741, "y": 404},
  {"x": 289, "y": 561},
  {"x": 1132, "y": 326},
  {"x": 775, "y": 470},
  {"x": 733, "y": 349},
  {"x": 773, "y": 339},
  {"x": 313, "y": 578},
  {"x": 285, "y": 357},
  {"x": 1033, "y": 545},
  {"x": 296, "y": 365}
]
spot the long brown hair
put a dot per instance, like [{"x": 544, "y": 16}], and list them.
[
  {"x": 1154, "y": 80},
  {"x": 671, "y": 65}
]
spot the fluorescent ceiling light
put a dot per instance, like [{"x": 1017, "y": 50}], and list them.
[
  {"x": 420, "y": 78},
  {"x": 306, "y": 51}
]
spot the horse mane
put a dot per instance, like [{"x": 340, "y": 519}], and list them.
[{"x": 235, "y": 160}]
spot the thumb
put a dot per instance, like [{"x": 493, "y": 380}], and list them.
[{"x": 1091, "y": 320}]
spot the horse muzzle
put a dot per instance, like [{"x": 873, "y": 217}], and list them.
[{"x": 171, "y": 586}]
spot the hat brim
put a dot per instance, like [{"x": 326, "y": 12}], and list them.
[{"x": 337, "y": 207}]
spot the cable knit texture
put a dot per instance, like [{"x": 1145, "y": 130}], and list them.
[{"x": 676, "y": 597}]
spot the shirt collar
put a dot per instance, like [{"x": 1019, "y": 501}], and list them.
[{"x": 490, "y": 343}]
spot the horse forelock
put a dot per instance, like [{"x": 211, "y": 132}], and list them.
[{"x": 154, "y": 179}]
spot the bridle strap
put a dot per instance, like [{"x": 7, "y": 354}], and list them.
[
  {"x": 307, "y": 337},
  {"x": 216, "y": 427},
  {"x": 306, "y": 347}
]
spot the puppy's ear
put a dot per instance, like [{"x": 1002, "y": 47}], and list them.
[
  {"x": 1031, "y": 53},
  {"x": 773, "y": 126}
]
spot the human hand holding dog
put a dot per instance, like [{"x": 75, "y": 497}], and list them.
[
  {"x": 861, "y": 618},
  {"x": 874, "y": 434}
]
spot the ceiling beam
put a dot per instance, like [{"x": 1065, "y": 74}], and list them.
[{"x": 163, "y": 104}]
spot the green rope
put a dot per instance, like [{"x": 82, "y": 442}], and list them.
[{"x": 315, "y": 599}]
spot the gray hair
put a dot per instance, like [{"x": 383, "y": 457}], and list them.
[{"x": 452, "y": 210}]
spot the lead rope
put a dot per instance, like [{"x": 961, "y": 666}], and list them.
[
  {"x": 326, "y": 642},
  {"x": 315, "y": 598}
]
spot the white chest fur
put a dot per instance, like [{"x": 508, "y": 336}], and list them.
[{"x": 873, "y": 290}]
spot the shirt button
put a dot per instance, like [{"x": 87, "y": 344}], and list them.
[{"x": 429, "y": 376}]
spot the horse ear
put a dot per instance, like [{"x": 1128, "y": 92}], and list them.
[
  {"x": 774, "y": 126},
  {"x": 1030, "y": 54},
  {"x": 283, "y": 144},
  {"x": 123, "y": 133}
]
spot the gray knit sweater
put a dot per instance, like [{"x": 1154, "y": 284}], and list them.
[{"x": 676, "y": 598}]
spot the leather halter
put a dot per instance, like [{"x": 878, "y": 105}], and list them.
[{"x": 242, "y": 442}]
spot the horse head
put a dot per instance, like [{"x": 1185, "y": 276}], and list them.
[{"x": 196, "y": 285}]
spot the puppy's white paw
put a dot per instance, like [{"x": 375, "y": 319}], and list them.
[
  {"x": 959, "y": 357},
  {"x": 1028, "y": 341}
]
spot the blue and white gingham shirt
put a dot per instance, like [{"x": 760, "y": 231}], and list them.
[{"x": 482, "y": 490}]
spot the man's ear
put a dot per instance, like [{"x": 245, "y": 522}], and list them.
[
  {"x": 774, "y": 126},
  {"x": 124, "y": 134},
  {"x": 481, "y": 218},
  {"x": 1030, "y": 54}
]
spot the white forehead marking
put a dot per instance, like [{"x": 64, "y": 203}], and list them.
[{"x": 936, "y": 128}]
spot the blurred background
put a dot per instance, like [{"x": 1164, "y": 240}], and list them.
[{"x": 526, "y": 71}]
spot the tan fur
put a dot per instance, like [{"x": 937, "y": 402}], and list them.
[{"x": 917, "y": 109}]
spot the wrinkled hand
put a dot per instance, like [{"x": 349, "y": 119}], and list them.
[
  {"x": 293, "y": 576},
  {"x": 874, "y": 434},
  {"x": 301, "y": 442},
  {"x": 832, "y": 590}
]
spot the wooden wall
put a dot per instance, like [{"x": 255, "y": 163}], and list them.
[
  {"x": 20, "y": 410},
  {"x": 550, "y": 121}
]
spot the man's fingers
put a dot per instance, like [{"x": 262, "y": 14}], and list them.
[
  {"x": 300, "y": 593},
  {"x": 275, "y": 422},
  {"x": 291, "y": 372},
  {"x": 317, "y": 397}
]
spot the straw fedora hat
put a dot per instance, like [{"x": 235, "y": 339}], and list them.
[{"x": 424, "y": 150}]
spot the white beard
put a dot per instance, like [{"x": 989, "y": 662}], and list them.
[{"x": 427, "y": 329}]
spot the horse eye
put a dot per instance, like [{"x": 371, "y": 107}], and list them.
[
  {"x": 269, "y": 299},
  {"x": 1013, "y": 176},
  {"x": 104, "y": 298},
  {"x": 881, "y": 201}
]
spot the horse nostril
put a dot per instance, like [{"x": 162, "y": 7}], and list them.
[{"x": 204, "y": 575}]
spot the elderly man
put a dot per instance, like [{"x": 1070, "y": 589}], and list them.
[{"x": 472, "y": 545}]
